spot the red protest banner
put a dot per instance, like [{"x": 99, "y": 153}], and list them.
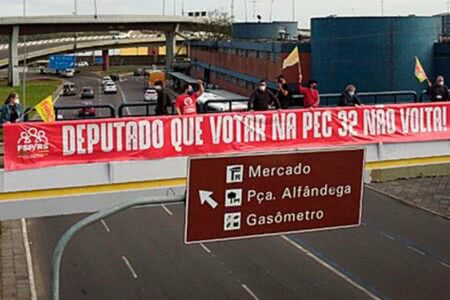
[{"x": 36, "y": 145}]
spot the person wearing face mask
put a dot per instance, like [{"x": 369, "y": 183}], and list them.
[
  {"x": 349, "y": 97},
  {"x": 438, "y": 91},
  {"x": 310, "y": 93},
  {"x": 262, "y": 98},
  {"x": 186, "y": 103},
  {"x": 163, "y": 101},
  {"x": 11, "y": 111}
]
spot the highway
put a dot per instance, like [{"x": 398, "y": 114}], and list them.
[
  {"x": 130, "y": 90},
  {"x": 399, "y": 252}
]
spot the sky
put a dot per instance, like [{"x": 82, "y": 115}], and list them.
[{"x": 282, "y": 9}]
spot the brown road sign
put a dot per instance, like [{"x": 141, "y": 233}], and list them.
[{"x": 257, "y": 194}]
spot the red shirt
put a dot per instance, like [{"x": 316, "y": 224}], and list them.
[
  {"x": 311, "y": 96},
  {"x": 187, "y": 104}
]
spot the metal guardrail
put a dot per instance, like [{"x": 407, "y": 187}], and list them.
[
  {"x": 110, "y": 108},
  {"x": 147, "y": 105},
  {"x": 206, "y": 108},
  {"x": 332, "y": 99},
  {"x": 424, "y": 97},
  {"x": 67, "y": 236}
]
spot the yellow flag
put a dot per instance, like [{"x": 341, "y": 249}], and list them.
[
  {"x": 292, "y": 59},
  {"x": 46, "y": 110},
  {"x": 419, "y": 71}
]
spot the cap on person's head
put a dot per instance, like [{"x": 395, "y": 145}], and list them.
[
  {"x": 312, "y": 82},
  {"x": 159, "y": 82},
  {"x": 262, "y": 82}
]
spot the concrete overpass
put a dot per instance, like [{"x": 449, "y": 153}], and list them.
[
  {"x": 15, "y": 26},
  {"x": 44, "y": 50}
]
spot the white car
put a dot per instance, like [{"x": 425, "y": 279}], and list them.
[
  {"x": 69, "y": 73},
  {"x": 106, "y": 79},
  {"x": 83, "y": 64},
  {"x": 151, "y": 95},
  {"x": 119, "y": 35},
  {"x": 110, "y": 87}
]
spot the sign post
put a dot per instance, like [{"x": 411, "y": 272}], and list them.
[{"x": 260, "y": 194}]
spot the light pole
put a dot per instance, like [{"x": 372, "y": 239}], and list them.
[
  {"x": 246, "y": 12},
  {"x": 95, "y": 9},
  {"x": 24, "y": 70},
  {"x": 164, "y": 7},
  {"x": 75, "y": 7}
]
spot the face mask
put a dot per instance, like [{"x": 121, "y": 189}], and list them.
[
  {"x": 16, "y": 101},
  {"x": 158, "y": 87},
  {"x": 351, "y": 93},
  {"x": 262, "y": 88},
  {"x": 440, "y": 83}
]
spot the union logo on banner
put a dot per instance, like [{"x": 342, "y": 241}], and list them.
[{"x": 32, "y": 143}]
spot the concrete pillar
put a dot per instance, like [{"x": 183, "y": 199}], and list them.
[
  {"x": 13, "y": 72},
  {"x": 170, "y": 50},
  {"x": 105, "y": 56}
]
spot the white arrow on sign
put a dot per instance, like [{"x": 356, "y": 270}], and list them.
[{"x": 205, "y": 197}]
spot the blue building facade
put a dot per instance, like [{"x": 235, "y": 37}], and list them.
[{"x": 374, "y": 53}]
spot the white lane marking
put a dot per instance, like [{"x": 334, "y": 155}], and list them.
[
  {"x": 387, "y": 235},
  {"x": 106, "y": 226},
  {"x": 249, "y": 291},
  {"x": 29, "y": 260},
  {"x": 123, "y": 97},
  {"x": 416, "y": 250},
  {"x": 167, "y": 210},
  {"x": 331, "y": 268},
  {"x": 205, "y": 248},
  {"x": 129, "y": 267},
  {"x": 444, "y": 264}
]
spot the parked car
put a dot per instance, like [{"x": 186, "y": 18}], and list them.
[
  {"x": 69, "y": 89},
  {"x": 88, "y": 111},
  {"x": 87, "y": 92},
  {"x": 106, "y": 79},
  {"x": 110, "y": 87},
  {"x": 150, "y": 95}
]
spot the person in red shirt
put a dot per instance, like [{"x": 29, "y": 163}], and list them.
[
  {"x": 186, "y": 103},
  {"x": 310, "y": 93}
]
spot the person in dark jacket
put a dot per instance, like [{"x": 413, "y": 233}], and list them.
[
  {"x": 348, "y": 97},
  {"x": 438, "y": 91},
  {"x": 163, "y": 101},
  {"x": 262, "y": 98},
  {"x": 284, "y": 96},
  {"x": 11, "y": 111}
]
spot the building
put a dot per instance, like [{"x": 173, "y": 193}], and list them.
[{"x": 237, "y": 65}]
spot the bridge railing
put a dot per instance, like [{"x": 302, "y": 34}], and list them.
[
  {"x": 147, "y": 105},
  {"x": 227, "y": 106},
  {"x": 389, "y": 97},
  {"x": 110, "y": 109}
]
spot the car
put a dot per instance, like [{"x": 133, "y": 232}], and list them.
[
  {"x": 87, "y": 111},
  {"x": 68, "y": 73},
  {"x": 82, "y": 64},
  {"x": 87, "y": 92},
  {"x": 119, "y": 35},
  {"x": 110, "y": 87},
  {"x": 138, "y": 72},
  {"x": 106, "y": 79},
  {"x": 69, "y": 89},
  {"x": 150, "y": 95}
]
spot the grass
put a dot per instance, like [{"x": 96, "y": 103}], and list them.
[{"x": 37, "y": 90}]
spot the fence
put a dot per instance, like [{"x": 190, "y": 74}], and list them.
[
  {"x": 147, "y": 106},
  {"x": 79, "y": 108}
]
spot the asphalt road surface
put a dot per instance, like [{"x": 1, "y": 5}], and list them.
[
  {"x": 130, "y": 90},
  {"x": 399, "y": 252}
]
